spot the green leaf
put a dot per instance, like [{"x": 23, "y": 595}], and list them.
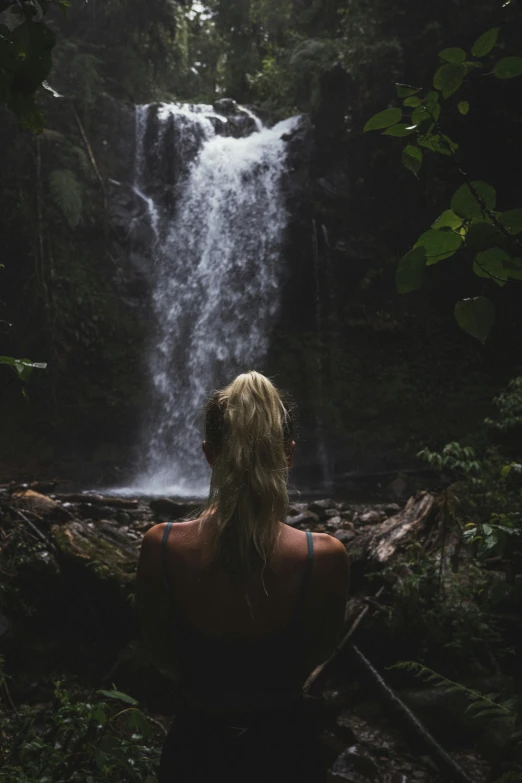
[
  {"x": 399, "y": 130},
  {"x": 413, "y": 101},
  {"x": 513, "y": 268},
  {"x": 482, "y": 235},
  {"x": 420, "y": 114},
  {"x": 22, "y": 367},
  {"x": 463, "y": 107},
  {"x": 136, "y": 719},
  {"x": 485, "y": 42},
  {"x": 412, "y": 158},
  {"x": 437, "y": 143},
  {"x": 405, "y": 90},
  {"x": 439, "y": 244},
  {"x": 449, "y": 77},
  {"x": 465, "y": 204},
  {"x": 490, "y": 263},
  {"x": 475, "y": 316},
  {"x": 383, "y": 119},
  {"x": 454, "y": 55},
  {"x": 410, "y": 271},
  {"x": 448, "y": 219},
  {"x": 99, "y": 715},
  {"x": 508, "y": 67},
  {"x": 512, "y": 220},
  {"x": 119, "y": 696}
]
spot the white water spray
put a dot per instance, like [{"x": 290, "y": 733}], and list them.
[{"x": 216, "y": 277}]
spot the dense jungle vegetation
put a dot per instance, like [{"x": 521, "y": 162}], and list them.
[{"x": 427, "y": 222}]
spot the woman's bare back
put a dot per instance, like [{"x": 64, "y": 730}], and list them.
[{"x": 211, "y": 604}]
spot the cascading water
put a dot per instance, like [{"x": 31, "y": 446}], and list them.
[{"x": 217, "y": 210}]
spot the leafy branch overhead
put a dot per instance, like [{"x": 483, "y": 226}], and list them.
[
  {"x": 26, "y": 44},
  {"x": 472, "y": 222}
]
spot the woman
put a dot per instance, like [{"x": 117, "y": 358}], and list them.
[{"x": 240, "y": 607}]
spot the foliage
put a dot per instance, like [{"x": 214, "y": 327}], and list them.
[
  {"x": 509, "y": 407},
  {"x": 471, "y": 223},
  {"x": 453, "y": 457},
  {"x": 26, "y": 44},
  {"x": 480, "y": 704},
  {"x": 67, "y": 194},
  {"x": 102, "y": 736}
]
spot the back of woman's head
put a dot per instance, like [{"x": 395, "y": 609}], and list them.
[{"x": 248, "y": 429}]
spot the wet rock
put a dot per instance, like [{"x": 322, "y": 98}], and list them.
[
  {"x": 332, "y": 512},
  {"x": 90, "y": 511},
  {"x": 372, "y": 517},
  {"x": 398, "y": 488},
  {"x": 320, "y": 507},
  {"x": 306, "y": 518},
  {"x": 123, "y": 517},
  {"x": 334, "y": 523},
  {"x": 225, "y": 106},
  {"x": 344, "y": 536},
  {"x": 391, "y": 509}
]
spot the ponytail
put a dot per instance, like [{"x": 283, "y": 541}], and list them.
[{"x": 249, "y": 430}]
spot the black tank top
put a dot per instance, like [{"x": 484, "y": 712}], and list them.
[{"x": 225, "y": 674}]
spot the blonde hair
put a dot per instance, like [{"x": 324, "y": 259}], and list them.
[{"x": 249, "y": 429}]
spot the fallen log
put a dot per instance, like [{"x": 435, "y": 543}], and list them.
[{"x": 100, "y": 500}]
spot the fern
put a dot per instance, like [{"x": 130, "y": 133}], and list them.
[
  {"x": 67, "y": 194},
  {"x": 486, "y": 703}
]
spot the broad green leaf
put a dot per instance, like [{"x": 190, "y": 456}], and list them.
[
  {"x": 420, "y": 114},
  {"x": 399, "y": 130},
  {"x": 475, "y": 316},
  {"x": 99, "y": 715},
  {"x": 463, "y": 107},
  {"x": 485, "y": 42},
  {"x": 448, "y": 219},
  {"x": 508, "y": 67},
  {"x": 413, "y": 101},
  {"x": 383, "y": 119},
  {"x": 449, "y": 77},
  {"x": 512, "y": 220},
  {"x": 410, "y": 270},
  {"x": 119, "y": 696},
  {"x": 465, "y": 204},
  {"x": 136, "y": 719},
  {"x": 432, "y": 97},
  {"x": 453, "y": 55},
  {"x": 412, "y": 158},
  {"x": 513, "y": 268},
  {"x": 482, "y": 235},
  {"x": 438, "y": 244},
  {"x": 490, "y": 263},
  {"x": 405, "y": 90}
]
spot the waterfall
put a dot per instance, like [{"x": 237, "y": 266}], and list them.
[{"x": 216, "y": 205}]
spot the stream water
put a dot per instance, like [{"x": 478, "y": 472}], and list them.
[{"x": 217, "y": 209}]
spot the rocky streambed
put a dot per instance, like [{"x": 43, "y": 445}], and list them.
[{"x": 68, "y": 565}]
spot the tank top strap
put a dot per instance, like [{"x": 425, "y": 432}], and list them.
[{"x": 164, "y": 570}]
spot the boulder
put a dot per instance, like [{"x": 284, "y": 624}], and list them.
[
  {"x": 334, "y": 523},
  {"x": 371, "y": 517}
]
